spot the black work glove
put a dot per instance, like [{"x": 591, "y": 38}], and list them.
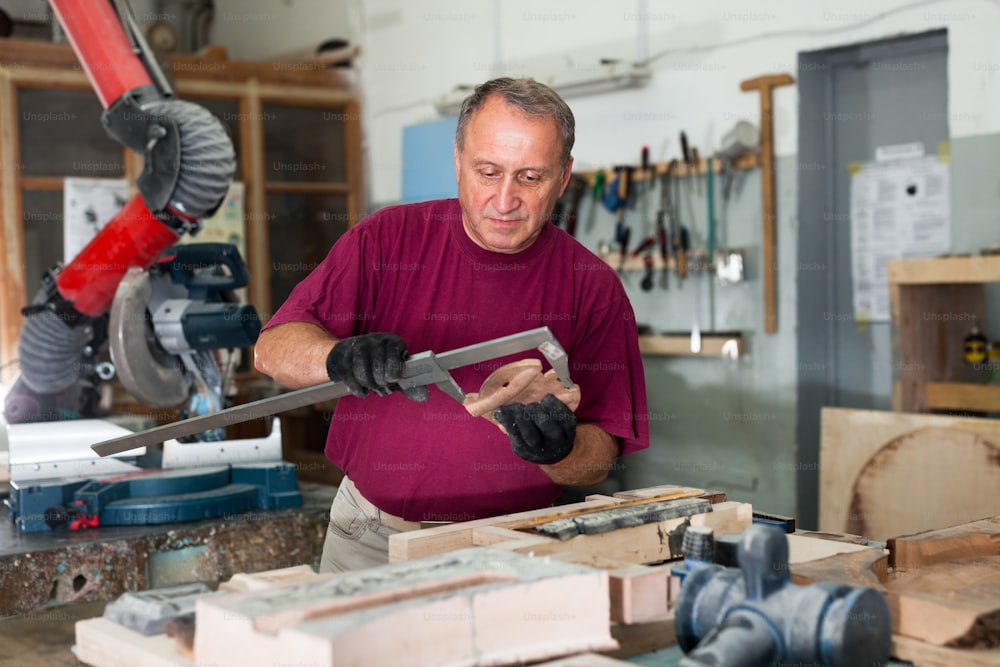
[
  {"x": 539, "y": 432},
  {"x": 371, "y": 362}
]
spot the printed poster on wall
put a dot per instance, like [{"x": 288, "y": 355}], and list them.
[{"x": 900, "y": 208}]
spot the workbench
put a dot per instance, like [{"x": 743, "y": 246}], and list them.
[{"x": 43, "y": 570}]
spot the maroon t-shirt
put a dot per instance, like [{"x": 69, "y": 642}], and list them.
[{"x": 413, "y": 271}]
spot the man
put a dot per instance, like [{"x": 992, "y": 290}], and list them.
[{"x": 444, "y": 274}]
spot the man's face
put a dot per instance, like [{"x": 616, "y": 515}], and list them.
[{"x": 509, "y": 176}]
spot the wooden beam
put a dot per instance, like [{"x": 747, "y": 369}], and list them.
[
  {"x": 765, "y": 86},
  {"x": 12, "y": 238},
  {"x": 253, "y": 175},
  {"x": 963, "y": 396},
  {"x": 944, "y": 270},
  {"x": 308, "y": 187}
]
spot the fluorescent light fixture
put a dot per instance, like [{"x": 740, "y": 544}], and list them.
[{"x": 570, "y": 83}]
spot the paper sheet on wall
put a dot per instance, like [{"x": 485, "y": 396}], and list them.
[
  {"x": 899, "y": 209},
  {"x": 88, "y": 205}
]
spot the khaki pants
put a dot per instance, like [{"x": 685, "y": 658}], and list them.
[{"x": 358, "y": 534}]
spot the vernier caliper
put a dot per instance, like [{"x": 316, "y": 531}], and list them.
[{"x": 421, "y": 369}]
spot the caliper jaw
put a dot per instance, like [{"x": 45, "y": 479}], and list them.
[{"x": 423, "y": 369}]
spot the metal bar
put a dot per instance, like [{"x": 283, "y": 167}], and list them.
[
  {"x": 421, "y": 369},
  {"x": 265, "y": 407}
]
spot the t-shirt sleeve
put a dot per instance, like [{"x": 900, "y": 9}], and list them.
[
  {"x": 338, "y": 295},
  {"x": 607, "y": 365}
]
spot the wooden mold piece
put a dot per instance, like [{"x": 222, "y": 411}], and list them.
[
  {"x": 884, "y": 474},
  {"x": 639, "y": 591},
  {"x": 469, "y": 607},
  {"x": 519, "y": 382}
]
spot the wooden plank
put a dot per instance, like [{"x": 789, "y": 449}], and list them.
[
  {"x": 765, "y": 86},
  {"x": 941, "y": 270},
  {"x": 253, "y": 171},
  {"x": 803, "y": 548},
  {"x": 357, "y": 204},
  {"x": 12, "y": 238},
  {"x": 23, "y": 54},
  {"x": 975, "y": 397},
  {"x": 308, "y": 188},
  {"x": 884, "y": 474}
]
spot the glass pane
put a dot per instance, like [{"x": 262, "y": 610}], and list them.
[
  {"x": 61, "y": 135},
  {"x": 301, "y": 230},
  {"x": 304, "y": 143},
  {"x": 43, "y": 236},
  {"x": 228, "y": 111}
]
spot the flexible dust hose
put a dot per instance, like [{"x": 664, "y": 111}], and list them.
[
  {"x": 207, "y": 159},
  {"x": 49, "y": 351}
]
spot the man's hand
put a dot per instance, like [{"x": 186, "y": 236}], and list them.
[
  {"x": 371, "y": 362},
  {"x": 541, "y": 432}
]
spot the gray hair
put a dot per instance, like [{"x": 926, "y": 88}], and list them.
[{"x": 531, "y": 98}]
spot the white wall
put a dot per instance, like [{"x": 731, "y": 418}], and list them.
[
  {"x": 412, "y": 52},
  {"x": 262, "y": 29}
]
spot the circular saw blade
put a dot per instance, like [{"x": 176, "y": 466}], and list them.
[{"x": 153, "y": 376}]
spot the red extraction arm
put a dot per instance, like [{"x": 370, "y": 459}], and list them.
[
  {"x": 189, "y": 164},
  {"x": 135, "y": 236}
]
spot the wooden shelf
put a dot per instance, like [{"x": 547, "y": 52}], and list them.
[
  {"x": 681, "y": 169},
  {"x": 963, "y": 396},
  {"x": 712, "y": 345},
  {"x": 935, "y": 304},
  {"x": 944, "y": 270}
]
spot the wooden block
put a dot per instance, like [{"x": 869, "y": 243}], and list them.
[
  {"x": 884, "y": 474},
  {"x": 257, "y": 581},
  {"x": 639, "y": 638},
  {"x": 803, "y": 548},
  {"x": 100, "y": 641},
  {"x": 971, "y": 540},
  {"x": 474, "y": 604}
]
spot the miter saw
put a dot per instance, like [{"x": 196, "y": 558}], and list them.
[{"x": 162, "y": 307}]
